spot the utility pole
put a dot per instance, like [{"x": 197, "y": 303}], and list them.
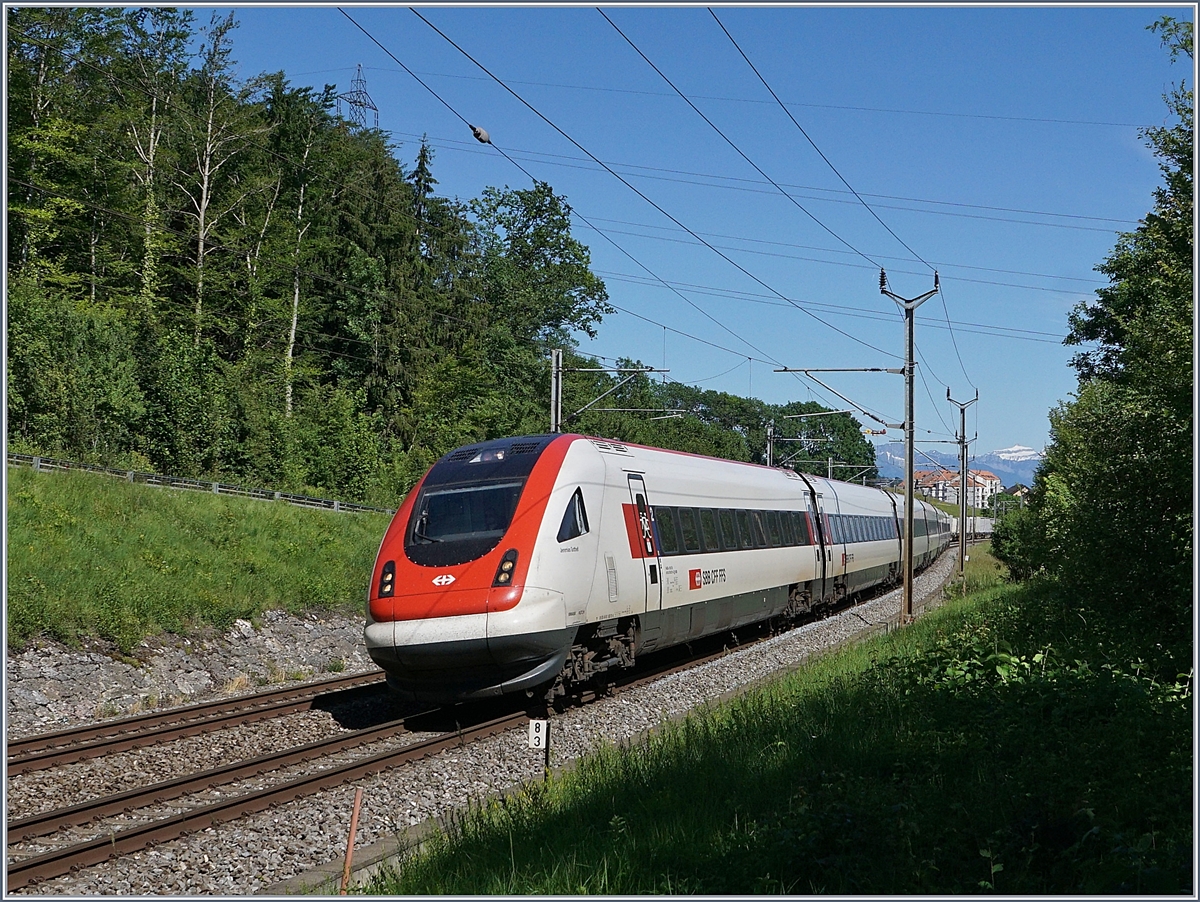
[
  {"x": 556, "y": 385},
  {"x": 556, "y": 390},
  {"x": 770, "y": 441},
  {"x": 962, "y": 479},
  {"x": 910, "y": 306}
]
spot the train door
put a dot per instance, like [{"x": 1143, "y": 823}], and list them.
[
  {"x": 816, "y": 531},
  {"x": 650, "y": 561}
]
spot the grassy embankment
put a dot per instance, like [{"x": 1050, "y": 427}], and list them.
[
  {"x": 91, "y": 556},
  {"x": 1017, "y": 741}
]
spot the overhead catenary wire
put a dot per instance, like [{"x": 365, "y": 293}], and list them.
[
  {"x": 750, "y": 100},
  {"x": 808, "y": 138},
  {"x": 533, "y": 179},
  {"x": 821, "y": 153},
  {"x": 490, "y": 142},
  {"x": 730, "y": 141},
  {"x": 834, "y": 309},
  {"x": 625, "y": 182},
  {"x": 847, "y": 263},
  {"x": 547, "y": 158}
]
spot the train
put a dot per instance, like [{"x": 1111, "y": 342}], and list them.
[{"x": 538, "y": 563}]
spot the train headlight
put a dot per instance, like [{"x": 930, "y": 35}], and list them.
[
  {"x": 387, "y": 581},
  {"x": 504, "y": 573}
]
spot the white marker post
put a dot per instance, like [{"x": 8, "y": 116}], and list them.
[{"x": 539, "y": 738}]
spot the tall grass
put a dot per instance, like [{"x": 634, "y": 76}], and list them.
[
  {"x": 92, "y": 556},
  {"x": 999, "y": 745}
]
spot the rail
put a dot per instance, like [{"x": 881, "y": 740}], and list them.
[{"x": 50, "y": 464}]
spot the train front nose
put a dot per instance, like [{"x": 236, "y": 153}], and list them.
[{"x": 451, "y": 658}]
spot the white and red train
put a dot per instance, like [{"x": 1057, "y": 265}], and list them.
[{"x": 528, "y": 563}]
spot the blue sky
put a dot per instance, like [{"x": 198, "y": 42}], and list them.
[{"x": 998, "y": 144}]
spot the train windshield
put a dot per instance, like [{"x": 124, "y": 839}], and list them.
[{"x": 455, "y": 524}]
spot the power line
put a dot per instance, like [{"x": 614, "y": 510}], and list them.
[
  {"x": 810, "y": 247},
  {"x": 945, "y": 307},
  {"x": 487, "y": 140},
  {"x": 795, "y": 103},
  {"x": 807, "y": 137},
  {"x": 468, "y": 147},
  {"x": 837, "y": 262},
  {"x": 981, "y": 328},
  {"x": 620, "y": 178},
  {"x": 730, "y": 142},
  {"x": 953, "y": 342}
]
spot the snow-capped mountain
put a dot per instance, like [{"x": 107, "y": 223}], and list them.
[
  {"x": 1017, "y": 454},
  {"x": 1011, "y": 465}
]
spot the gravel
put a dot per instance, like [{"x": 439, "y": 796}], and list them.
[{"x": 262, "y": 850}]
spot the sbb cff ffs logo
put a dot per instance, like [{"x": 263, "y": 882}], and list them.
[{"x": 698, "y": 579}]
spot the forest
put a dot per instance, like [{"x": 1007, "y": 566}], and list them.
[{"x": 224, "y": 278}]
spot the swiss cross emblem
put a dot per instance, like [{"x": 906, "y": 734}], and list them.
[
  {"x": 694, "y": 576},
  {"x": 444, "y": 580}
]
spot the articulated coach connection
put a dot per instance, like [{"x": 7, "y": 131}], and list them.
[{"x": 532, "y": 563}]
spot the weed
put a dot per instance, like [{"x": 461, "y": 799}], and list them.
[{"x": 239, "y": 683}]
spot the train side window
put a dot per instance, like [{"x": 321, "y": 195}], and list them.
[
  {"x": 861, "y": 524},
  {"x": 800, "y": 521},
  {"x": 756, "y": 523},
  {"x": 574, "y": 521},
  {"x": 773, "y": 529},
  {"x": 785, "y": 525},
  {"x": 668, "y": 537},
  {"x": 745, "y": 537},
  {"x": 708, "y": 529},
  {"x": 729, "y": 538},
  {"x": 687, "y": 526}
]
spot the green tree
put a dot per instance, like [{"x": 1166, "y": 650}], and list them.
[
  {"x": 537, "y": 280},
  {"x": 1111, "y": 507}
]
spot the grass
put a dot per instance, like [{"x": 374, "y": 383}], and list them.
[
  {"x": 1015, "y": 742},
  {"x": 91, "y": 556}
]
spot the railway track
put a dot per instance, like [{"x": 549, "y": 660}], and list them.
[
  {"x": 48, "y": 750},
  {"x": 46, "y": 865}
]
